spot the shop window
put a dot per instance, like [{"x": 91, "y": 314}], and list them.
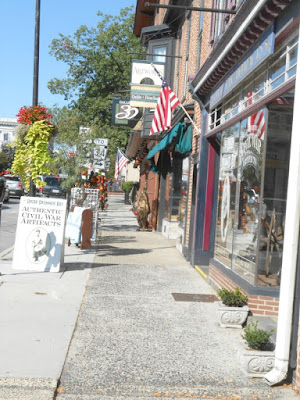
[
  {"x": 227, "y": 194},
  {"x": 176, "y": 190},
  {"x": 184, "y": 191},
  {"x": 281, "y": 67},
  {"x": 253, "y": 176},
  {"x": 273, "y": 206}
]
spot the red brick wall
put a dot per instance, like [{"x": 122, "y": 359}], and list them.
[{"x": 259, "y": 305}]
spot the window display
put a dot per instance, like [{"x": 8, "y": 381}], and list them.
[{"x": 253, "y": 176}]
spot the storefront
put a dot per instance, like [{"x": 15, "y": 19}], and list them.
[
  {"x": 250, "y": 114},
  {"x": 172, "y": 164}
]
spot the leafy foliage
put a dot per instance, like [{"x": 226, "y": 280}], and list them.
[
  {"x": 232, "y": 298},
  {"x": 127, "y": 186},
  {"x": 4, "y": 161},
  {"x": 32, "y": 156},
  {"x": 99, "y": 68},
  {"x": 257, "y": 339}
]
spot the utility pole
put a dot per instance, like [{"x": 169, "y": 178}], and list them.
[{"x": 36, "y": 69}]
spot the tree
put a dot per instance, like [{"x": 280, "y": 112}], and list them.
[
  {"x": 7, "y": 156},
  {"x": 99, "y": 68}
]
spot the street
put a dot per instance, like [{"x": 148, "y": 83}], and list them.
[{"x": 9, "y": 217}]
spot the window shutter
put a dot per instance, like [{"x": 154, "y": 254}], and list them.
[{"x": 212, "y": 23}]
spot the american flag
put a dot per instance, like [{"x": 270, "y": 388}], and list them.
[
  {"x": 121, "y": 161},
  {"x": 167, "y": 101},
  {"x": 256, "y": 122}
]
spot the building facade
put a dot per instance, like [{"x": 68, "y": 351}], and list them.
[
  {"x": 225, "y": 198},
  {"x": 7, "y": 130}
]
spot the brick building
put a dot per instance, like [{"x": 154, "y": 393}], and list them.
[{"x": 229, "y": 199}]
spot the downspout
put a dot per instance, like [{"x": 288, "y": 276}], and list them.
[{"x": 290, "y": 249}]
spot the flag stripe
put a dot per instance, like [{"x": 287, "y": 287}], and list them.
[
  {"x": 166, "y": 103},
  {"x": 256, "y": 122}
]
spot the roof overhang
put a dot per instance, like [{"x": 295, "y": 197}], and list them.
[
  {"x": 144, "y": 16},
  {"x": 250, "y": 22}
]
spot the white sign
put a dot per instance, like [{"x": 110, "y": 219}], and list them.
[
  {"x": 101, "y": 142},
  {"x": 143, "y": 72},
  {"x": 100, "y": 153},
  {"x": 83, "y": 130},
  {"x": 39, "y": 244},
  {"x": 99, "y": 164}
]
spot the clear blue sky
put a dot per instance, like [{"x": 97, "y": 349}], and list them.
[{"x": 17, "y": 45}]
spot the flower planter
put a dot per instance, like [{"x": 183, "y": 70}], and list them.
[
  {"x": 258, "y": 363},
  {"x": 231, "y": 317}
]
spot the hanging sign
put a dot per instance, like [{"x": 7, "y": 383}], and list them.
[
  {"x": 145, "y": 83},
  {"x": 124, "y": 114}
]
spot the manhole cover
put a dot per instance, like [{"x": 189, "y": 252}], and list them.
[{"x": 204, "y": 298}]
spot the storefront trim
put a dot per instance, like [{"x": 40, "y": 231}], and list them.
[
  {"x": 242, "y": 283},
  {"x": 279, "y": 91}
]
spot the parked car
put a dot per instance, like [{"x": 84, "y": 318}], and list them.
[
  {"x": 15, "y": 186},
  {"x": 53, "y": 187}
]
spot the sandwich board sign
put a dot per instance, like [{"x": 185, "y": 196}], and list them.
[{"x": 39, "y": 244}]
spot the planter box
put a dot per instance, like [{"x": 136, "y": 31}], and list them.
[
  {"x": 231, "y": 317},
  {"x": 258, "y": 363}
]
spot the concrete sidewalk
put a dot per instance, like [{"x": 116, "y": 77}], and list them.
[
  {"x": 133, "y": 339},
  {"x": 38, "y": 315}
]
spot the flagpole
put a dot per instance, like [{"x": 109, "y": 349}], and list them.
[
  {"x": 189, "y": 117},
  {"x": 187, "y": 114}
]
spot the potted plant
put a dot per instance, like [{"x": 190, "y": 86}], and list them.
[
  {"x": 126, "y": 187},
  {"x": 232, "y": 310},
  {"x": 259, "y": 357}
]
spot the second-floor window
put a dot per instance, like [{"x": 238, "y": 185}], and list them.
[
  {"x": 159, "y": 53},
  {"x": 220, "y": 20}
]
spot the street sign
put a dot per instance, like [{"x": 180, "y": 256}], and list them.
[
  {"x": 100, "y": 153},
  {"x": 99, "y": 165},
  {"x": 101, "y": 142},
  {"x": 83, "y": 130}
]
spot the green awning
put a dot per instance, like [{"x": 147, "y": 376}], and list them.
[
  {"x": 184, "y": 140},
  {"x": 165, "y": 141}
]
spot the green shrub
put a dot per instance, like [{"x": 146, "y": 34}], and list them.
[
  {"x": 127, "y": 186},
  {"x": 232, "y": 298},
  {"x": 257, "y": 339}
]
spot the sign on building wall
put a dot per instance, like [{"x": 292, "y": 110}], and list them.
[
  {"x": 39, "y": 244},
  {"x": 262, "y": 49},
  {"x": 145, "y": 83}
]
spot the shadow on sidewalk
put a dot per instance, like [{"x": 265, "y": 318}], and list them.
[{"x": 108, "y": 250}]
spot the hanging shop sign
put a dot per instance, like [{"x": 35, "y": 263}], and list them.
[
  {"x": 124, "y": 114},
  {"x": 145, "y": 83},
  {"x": 262, "y": 49}
]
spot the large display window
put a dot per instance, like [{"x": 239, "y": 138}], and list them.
[
  {"x": 253, "y": 176},
  {"x": 177, "y": 188}
]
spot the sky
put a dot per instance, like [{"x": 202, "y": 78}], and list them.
[{"x": 17, "y": 24}]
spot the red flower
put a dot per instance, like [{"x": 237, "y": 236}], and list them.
[{"x": 29, "y": 115}]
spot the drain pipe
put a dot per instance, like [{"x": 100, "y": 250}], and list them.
[{"x": 290, "y": 247}]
